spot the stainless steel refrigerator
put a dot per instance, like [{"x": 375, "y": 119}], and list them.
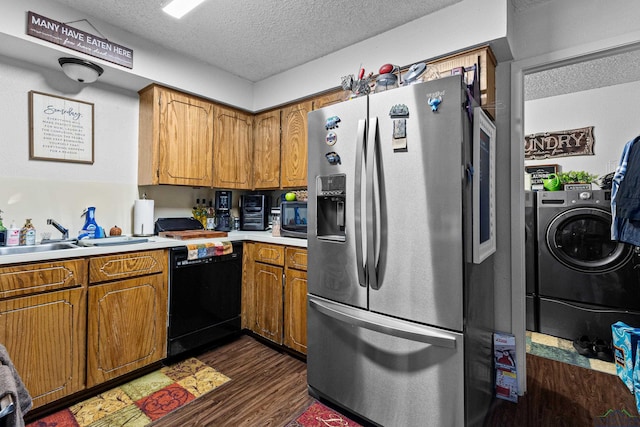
[{"x": 399, "y": 320}]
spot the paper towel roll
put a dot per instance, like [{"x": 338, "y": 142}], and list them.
[{"x": 143, "y": 217}]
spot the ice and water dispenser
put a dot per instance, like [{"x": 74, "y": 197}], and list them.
[{"x": 331, "y": 194}]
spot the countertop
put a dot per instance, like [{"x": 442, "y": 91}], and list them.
[{"x": 153, "y": 242}]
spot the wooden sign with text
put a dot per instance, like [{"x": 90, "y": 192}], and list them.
[
  {"x": 63, "y": 35},
  {"x": 573, "y": 142}
]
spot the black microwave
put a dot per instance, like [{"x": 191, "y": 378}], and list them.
[{"x": 293, "y": 219}]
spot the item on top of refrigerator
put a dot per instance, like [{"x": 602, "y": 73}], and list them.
[
  {"x": 387, "y": 68},
  {"x": 414, "y": 73},
  {"x": 385, "y": 82},
  {"x": 360, "y": 86}
]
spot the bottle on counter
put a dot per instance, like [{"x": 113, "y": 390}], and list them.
[
  {"x": 3, "y": 232},
  {"x": 90, "y": 225},
  {"x": 27, "y": 234},
  {"x": 275, "y": 222},
  {"x": 13, "y": 234},
  {"x": 211, "y": 217}
]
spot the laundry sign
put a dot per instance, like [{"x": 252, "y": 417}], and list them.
[
  {"x": 573, "y": 142},
  {"x": 63, "y": 35}
]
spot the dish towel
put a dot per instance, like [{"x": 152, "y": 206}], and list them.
[
  {"x": 206, "y": 250},
  {"x": 11, "y": 384}
]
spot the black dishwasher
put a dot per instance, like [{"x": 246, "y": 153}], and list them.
[{"x": 204, "y": 299}]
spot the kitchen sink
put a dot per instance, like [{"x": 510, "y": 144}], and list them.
[{"x": 13, "y": 250}]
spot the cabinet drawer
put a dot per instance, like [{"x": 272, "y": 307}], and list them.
[
  {"x": 269, "y": 254},
  {"x": 297, "y": 258},
  {"x": 28, "y": 279},
  {"x": 120, "y": 266}
]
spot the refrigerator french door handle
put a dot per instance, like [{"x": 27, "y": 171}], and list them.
[
  {"x": 357, "y": 201},
  {"x": 372, "y": 221},
  {"x": 376, "y": 323}
]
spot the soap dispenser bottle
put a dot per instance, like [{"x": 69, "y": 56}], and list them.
[
  {"x": 3, "y": 232},
  {"x": 27, "y": 234},
  {"x": 13, "y": 234},
  {"x": 90, "y": 226}
]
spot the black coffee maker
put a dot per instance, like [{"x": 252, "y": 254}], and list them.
[{"x": 223, "y": 210}]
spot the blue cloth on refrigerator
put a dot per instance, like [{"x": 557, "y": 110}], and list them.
[{"x": 625, "y": 196}]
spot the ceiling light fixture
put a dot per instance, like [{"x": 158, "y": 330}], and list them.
[
  {"x": 179, "y": 8},
  {"x": 80, "y": 70}
]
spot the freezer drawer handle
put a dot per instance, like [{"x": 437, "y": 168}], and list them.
[{"x": 366, "y": 320}]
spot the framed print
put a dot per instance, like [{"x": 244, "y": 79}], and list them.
[
  {"x": 484, "y": 186},
  {"x": 60, "y": 129}
]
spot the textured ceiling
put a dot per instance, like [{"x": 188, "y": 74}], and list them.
[
  {"x": 591, "y": 74},
  {"x": 257, "y": 39}
]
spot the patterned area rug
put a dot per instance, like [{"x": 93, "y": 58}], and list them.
[
  {"x": 319, "y": 415},
  {"x": 141, "y": 401},
  {"x": 562, "y": 350}
]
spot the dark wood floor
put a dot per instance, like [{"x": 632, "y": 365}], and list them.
[
  {"x": 559, "y": 395},
  {"x": 267, "y": 388}
]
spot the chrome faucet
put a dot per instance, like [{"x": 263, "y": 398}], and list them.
[{"x": 64, "y": 231}]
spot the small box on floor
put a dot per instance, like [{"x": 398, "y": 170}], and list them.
[
  {"x": 624, "y": 340},
  {"x": 636, "y": 377},
  {"x": 504, "y": 350}
]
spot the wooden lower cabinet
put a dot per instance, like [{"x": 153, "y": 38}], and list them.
[
  {"x": 248, "y": 311},
  {"x": 268, "y": 301},
  {"x": 72, "y": 324},
  {"x": 295, "y": 310},
  {"x": 275, "y": 293},
  {"x": 127, "y": 306},
  {"x": 45, "y": 337},
  {"x": 43, "y": 309},
  {"x": 126, "y": 327}
]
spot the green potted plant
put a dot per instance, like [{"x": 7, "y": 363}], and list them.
[{"x": 576, "y": 177}]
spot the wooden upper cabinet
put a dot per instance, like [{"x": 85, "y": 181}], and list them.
[
  {"x": 266, "y": 150},
  {"x": 485, "y": 60},
  {"x": 329, "y": 98},
  {"x": 293, "y": 162},
  {"x": 175, "y": 138},
  {"x": 232, "y": 149}
]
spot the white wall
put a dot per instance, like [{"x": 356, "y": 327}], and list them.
[
  {"x": 613, "y": 112},
  {"x": 562, "y": 24},
  {"x": 47, "y": 189},
  {"x": 151, "y": 63},
  {"x": 458, "y": 27}
]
